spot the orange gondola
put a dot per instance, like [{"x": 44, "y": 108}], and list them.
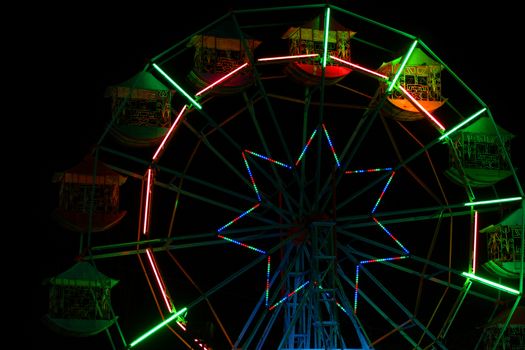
[{"x": 421, "y": 78}]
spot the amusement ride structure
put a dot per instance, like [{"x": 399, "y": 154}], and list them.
[{"x": 297, "y": 177}]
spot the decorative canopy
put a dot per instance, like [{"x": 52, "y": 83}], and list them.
[
  {"x": 79, "y": 302},
  {"x": 517, "y": 318},
  {"x": 83, "y": 274},
  {"x": 308, "y": 39},
  {"x": 224, "y": 36},
  {"x": 484, "y": 126},
  {"x": 314, "y": 31},
  {"x": 82, "y": 173},
  {"x": 421, "y": 78},
  {"x": 417, "y": 58},
  {"x": 137, "y": 87}
]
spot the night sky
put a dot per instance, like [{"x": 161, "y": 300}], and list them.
[{"x": 93, "y": 47}]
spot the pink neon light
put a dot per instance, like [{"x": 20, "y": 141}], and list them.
[
  {"x": 158, "y": 278},
  {"x": 421, "y": 108},
  {"x": 366, "y": 70},
  {"x": 475, "y": 248},
  {"x": 222, "y": 79},
  {"x": 292, "y": 57},
  {"x": 170, "y": 131},
  {"x": 181, "y": 326},
  {"x": 148, "y": 198}
]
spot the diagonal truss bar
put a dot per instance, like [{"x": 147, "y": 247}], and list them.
[
  {"x": 400, "y": 305},
  {"x": 376, "y": 307}
]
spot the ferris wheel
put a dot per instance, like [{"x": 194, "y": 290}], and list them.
[{"x": 326, "y": 182}]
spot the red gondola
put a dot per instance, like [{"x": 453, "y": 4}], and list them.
[{"x": 76, "y": 190}]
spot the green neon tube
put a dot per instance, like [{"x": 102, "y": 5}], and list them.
[
  {"x": 326, "y": 32},
  {"x": 157, "y": 327},
  {"x": 195, "y": 103},
  {"x": 511, "y": 199},
  {"x": 491, "y": 284},
  {"x": 402, "y": 66},
  {"x": 460, "y": 125}
]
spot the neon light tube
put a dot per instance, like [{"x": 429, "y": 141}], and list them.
[
  {"x": 147, "y": 204},
  {"x": 336, "y": 302},
  {"x": 288, "y": 296},
  {"x": 341, "y": 307},
  {"x": 491, "y": 284},
  {"x": 326, "y": 33},
  {"x": 366, "y": 70},
  {"x": 374, "y": 170},
  {"x": 460, "y": 125},
  {"x": 367, "y": 262},
  {"x": 183, "y": 327},
  {"x": 170, "y": 131},
  {"x": 401, "y": 67},
  {"x": 511, "y": 199},
  {"x": 227, "y": 76},
  {"x": 267, "y": 280},
  {"x": 383, "y": 192},
  {"x": 292, "y": 57},
  {"x": 242, "y": 244},
  {"x": 421, "y": 108},
  {"x": 305, "y": 147},
  {"x": 391, "y": 235},
  {"x": 356, "y": 287},
  {"x": 157, "y": 327},
  {"x": 383, "y": 259},
  {"x": 176, "y": 86},
  {"x": 251, "y": 177},
  {"x": 158, "y": 278},
  {"x": 331, "y": 146},
  {"x": 475, "y": 243},
  {"x": 239, "y": 217},
  {"x": 268, "y": 159}
]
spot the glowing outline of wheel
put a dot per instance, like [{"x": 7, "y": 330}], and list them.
[{"x": 424, "y": 151}]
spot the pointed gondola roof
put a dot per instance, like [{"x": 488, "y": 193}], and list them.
[
  {"x": 513, "y": 219},
  {"x": 484, "y": 126},
  {"x": 83, "y": 173},
  {"x": 517, "y": 318},
  {"x": 144, "y": 80},
  {"x": 83, "y": 274},
  {"x": 315, "y": 27},
  {"x": 417, "y": 58},
  {"x": 140, "y": 86},
  {"x": 224, "y": 36}
]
